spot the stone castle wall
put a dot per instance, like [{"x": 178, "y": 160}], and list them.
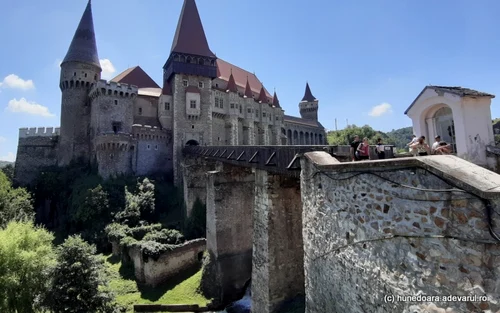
[
  {"x": 153, "y": 151},
  {"x": 397, "y": 232},
  {"x": 34, "y": 152}
]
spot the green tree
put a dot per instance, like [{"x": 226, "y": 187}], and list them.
[
  {"x": 15, "y": 203},
  {"x": 79, "y": 283},
  {"x": 137, "y": 205},
  {"x": 9, "y": 171},
  {"x": 26, "y": 257}
]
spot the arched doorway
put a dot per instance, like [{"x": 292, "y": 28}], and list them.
[
  {"x": 445, "y": 127},
  {"x": 192, "y": 142}
]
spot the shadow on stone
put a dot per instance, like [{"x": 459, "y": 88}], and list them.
[{"x": 295, "y": 305}]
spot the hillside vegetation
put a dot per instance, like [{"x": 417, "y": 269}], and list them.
[
  {"x": 397, "y": 137},
  {"x": 5, "y": 163}
]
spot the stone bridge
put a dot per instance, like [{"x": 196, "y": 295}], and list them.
[{"x": 299, "y": 222}]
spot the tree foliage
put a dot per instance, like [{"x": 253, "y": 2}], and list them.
[
  {"x": 137, "y": 205},
  {"x": 26, "y": 257},
  {"x": 79, "y": 283},
  {"x": 15, "y": 203},
  {"x": 8, "y": 170}
]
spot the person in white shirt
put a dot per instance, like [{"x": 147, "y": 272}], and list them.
[
  {"x": 413, "y": 141},
  {"x": 437, "y": 140}
]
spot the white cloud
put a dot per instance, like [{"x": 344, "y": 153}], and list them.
[
  {"x": 11, "y": 157},
  {"x": 14, "y": 81},
  {"x": 24, "y": 106},
  {"x": 2, "y": 139},
  {"x": 108, "y": 69},
  {"x": 380, "y": 109}
]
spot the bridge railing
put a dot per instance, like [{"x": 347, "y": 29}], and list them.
[{"x": 280, "y": 159}]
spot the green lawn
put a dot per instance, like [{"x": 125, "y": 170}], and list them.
[{"x": 181, "y": 290}]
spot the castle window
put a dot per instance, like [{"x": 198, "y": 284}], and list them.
[
  {"x": 232, "y": 105},
  {"x": 116, "y": 102},
  {"x": 109, "y": 92},
  {"x": 85, "y": 74},
  {"x": 241, "y": 109},
  {"x": 140, "y": 111},
  {"x": 249, "y": 110},
  {"x": 185, "y": 83},
  {"x": 256, "y": 113},
  {"x": 270, "y": 117},
  {"x": 117, "y": 127},
  {"x": 193, "y": 104},
  {"x": 263, "y": 114},
  {"x": 167, "y": 106},
  {"x": 216, "y": 102},
  {"x": 156, "y": 147},
  {"x": 216, "y": 85},
  {"x": 149, "y": 147},
  {"x": 95, "y": 77},
  {"x": 188, "y": 60},
  {"x": 192, "y": 126},
  {"x": 200, "y": 84},
  {"x": 277, "y": 118},
  {"x": 221, "y": 103},
  {"x": 111, "y": 156},
  {"x": 74, "y": 74}
]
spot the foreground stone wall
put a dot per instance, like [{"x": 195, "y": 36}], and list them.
[
  {"x": 409, "y": 227},
  {"x": 154, "y": 272},
  {"x": 33, "y": 154}
]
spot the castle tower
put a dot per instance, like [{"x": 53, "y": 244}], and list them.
[
  {"x": 249, "y": 124},
  {"x": 278, "y": 121},
  {"x": 232, "y": 118},
  {"x": 80, "y": 70},
  {"x": 263, "y": 132},
  {"x": 189, "y": 71},
  {"x": 309, "y": 105}
]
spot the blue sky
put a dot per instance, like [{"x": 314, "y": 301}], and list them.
[{"x": 356, "y": 55}]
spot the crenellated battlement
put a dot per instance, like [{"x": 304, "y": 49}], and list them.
[
  {"x": 113, "y": 141},
  {"x": 38, "y": 132},
  {"x": 148, "y": 132},
  {"x": 106, "y": 88}
]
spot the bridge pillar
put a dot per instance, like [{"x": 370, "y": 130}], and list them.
[
  {"x": 195, "y": 186},
  {"x": 278, "y": 254},
  {"x": 230, "y": 201}
]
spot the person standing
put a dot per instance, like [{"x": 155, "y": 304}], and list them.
[
  {"x": 413, "y": 141},
  {"x": 380, "y": 149},
  {"x": 354, "y": 148},
  {"x": 363, "y": 151}
]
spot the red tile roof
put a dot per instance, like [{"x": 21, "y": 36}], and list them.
[
  {"x": 262, "y": 95},
  {"x": 231, "y": 84},
  {"x": 224, "y": 70},
  {"x": 248, "y": 90},
  {"x": 189, "y": 36},
  {"x": 135, "y": 76}
]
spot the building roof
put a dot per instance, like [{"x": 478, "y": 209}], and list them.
[
  {"x": 135, "y": 76},
  {"x": 308, "y": 95},
  {"x": 166, "y": 89},
  {"x": 224, "y": 70},
  {"x": 83, "y": 47},
  {"x": 248, "y": 91},
  {"x": 189, "y": 36},
  {"x": 302, "y": 121},
  {"x": 276, "y": 102},
  {"x": 192, "y": 89},
  {"x": 147, "y": 120},
  {"x": 459, "y": 91},
  {"x": 150, "y": 92},
  {"x": 231, "y": 84}
]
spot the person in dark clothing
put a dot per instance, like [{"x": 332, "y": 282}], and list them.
[
  {"x": 354, "y": 148},
  {"x": 380, "y": 149}
]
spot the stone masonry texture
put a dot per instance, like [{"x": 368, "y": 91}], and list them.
[
  {"x": 230, "y": 203},
  {"x": 278, "y": 255},
  {"x": 367, "y": 236}
]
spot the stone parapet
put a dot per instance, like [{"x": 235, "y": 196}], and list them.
[
  {"x": 107, "y": 88},
  {"x": 38, "y": 132}
]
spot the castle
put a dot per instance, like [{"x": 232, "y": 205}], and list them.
[{"x": 131, "y": 125}]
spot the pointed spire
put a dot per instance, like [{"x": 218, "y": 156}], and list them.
[
  {"x": 262, "y": 95},
  {"x": 276, "y": 102},
  {"x": 83, "y": 47},
  {"x": 248, "y": 90},
  {"x": 190, "y": 36},
  {"x": 308, "y": 95},
  {"x": 231, "y": 84}
]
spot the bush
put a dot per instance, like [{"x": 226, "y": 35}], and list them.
[{"x": 196, "y": 224}]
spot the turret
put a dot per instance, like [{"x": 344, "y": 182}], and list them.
[
  {"x": 80, "y": 71},
  {"x": 309, "y": 105}
]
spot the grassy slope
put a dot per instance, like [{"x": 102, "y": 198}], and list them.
[{"x": 182, "y": 290}]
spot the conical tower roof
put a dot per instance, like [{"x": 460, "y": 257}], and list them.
[
  {"x": 308, "y": 95},
  {"x": 83, "y": 47},
  {"x": 190, "y": 37},
  {"x": 262, "y": 95},
  {"x": 248, "y": 90},
  {"x": 276, "y": 102},
  {"x": 231, "y": 84}
]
